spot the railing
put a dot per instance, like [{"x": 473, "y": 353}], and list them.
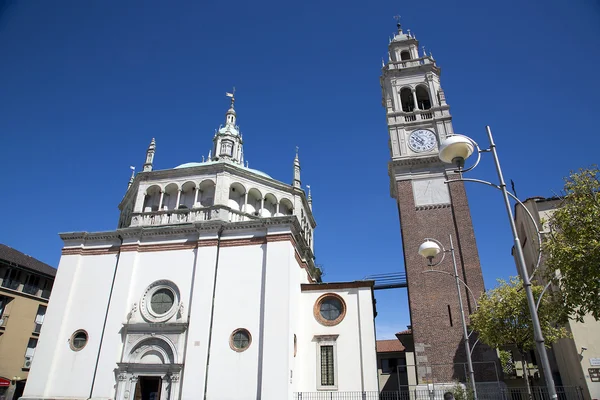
[
  {"x": 417, "y": 115},
  {"x": 11, "y": 284},
  {"x": 423, "y": 393},
  {"x": 30, "y": 289},
  {"x": 186, "y": 215},
  {"x": 410, "y": 63}
]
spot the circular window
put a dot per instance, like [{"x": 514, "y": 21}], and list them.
[
  {"x": 329, "y": 309},
  {"x": 240, "y": 340},
  {"x": 159, "y": 302},
  {"x": 78, "y": 340},
  {"x": 162, "y": 300}
]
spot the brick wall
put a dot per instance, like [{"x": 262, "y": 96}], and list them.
[{"x": 433, "y": 301}]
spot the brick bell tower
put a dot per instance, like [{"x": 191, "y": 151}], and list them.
[{"x": 418, "y": 117}]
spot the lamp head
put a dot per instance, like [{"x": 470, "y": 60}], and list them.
[
  {"x": 429, "y": 250},
  {"x": 455, "y": 149}
]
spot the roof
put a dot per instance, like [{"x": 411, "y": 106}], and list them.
[
  {"x": 336, "y": 285},
  {"x": 199, "y": 164},
  {"x": 16, "y": 257},
  {"x": 405, "y": 332},
  {"x": 389, "y": 346}
]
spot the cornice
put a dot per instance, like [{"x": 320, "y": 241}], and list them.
[
  {"x": 305, "y": 287},
  {"x": 432, "y": 207},
  {"x": 423, "y": 160},
  {"x": 411, "y": 70}
]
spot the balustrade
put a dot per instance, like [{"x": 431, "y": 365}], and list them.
[
  {"x": 186, "y": 215},
  {"x": 417, "y": 115}
]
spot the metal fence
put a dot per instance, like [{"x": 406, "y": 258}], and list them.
[{"x": 422, "y": 393}]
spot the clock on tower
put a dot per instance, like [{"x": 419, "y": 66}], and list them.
[{"x": 418, "y": 117}]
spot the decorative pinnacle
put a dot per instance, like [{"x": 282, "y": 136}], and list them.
[
  {"x": 297, "y": 148},
  {"x": 132, "y": 168},
  {"x": 424, "y": 52},
  {"x": 152, "y": 144},
  {"x": 309, "y": 193}
]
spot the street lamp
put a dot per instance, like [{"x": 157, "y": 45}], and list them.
[
  {"x": 429, "y": 250},
  {"x": 455, "y": 149}
]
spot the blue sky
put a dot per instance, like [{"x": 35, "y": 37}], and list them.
[{"x": 87, "y": 84}]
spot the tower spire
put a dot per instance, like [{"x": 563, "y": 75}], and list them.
[
  {"x": 297, "y": 183},
  {"x": 227, "y": 142},
  {"x": 150, "y": 156}
]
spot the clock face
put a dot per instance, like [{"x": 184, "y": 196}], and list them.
[{"x": 421, "y": 140}]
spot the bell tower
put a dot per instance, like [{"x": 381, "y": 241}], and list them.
[{"x": 418, "y": 117}]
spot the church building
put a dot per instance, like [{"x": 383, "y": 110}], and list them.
[{"x": 207, "y": 289}]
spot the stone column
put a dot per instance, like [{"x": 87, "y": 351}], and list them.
[
  {"x": 414, "y": 93},
  {"x": 195, "y": 197},
  {"x": 160, "y": 201},
  {"x": 262, "y": 206},
  {"x": 277, "y": 210},
  {"x": 178, "y": 199},
  {"x": 244, "y": 206}
]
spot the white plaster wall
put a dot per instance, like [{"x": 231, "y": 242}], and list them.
[
  {"x": 234, "y": 375},
  {"x": 199, "y": 323},
  {"x": 71, "y": 371},
  {"x": 277, "y": 319},
  {"x": 356, "y": 358},
  {"x": 41, "y": 369}
]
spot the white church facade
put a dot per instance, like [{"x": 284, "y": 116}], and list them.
[{"x": 206, "y": 290}]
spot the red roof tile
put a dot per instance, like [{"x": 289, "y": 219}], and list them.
[{"x": 389, "y": 346}]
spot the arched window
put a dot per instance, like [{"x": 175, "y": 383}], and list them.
[
  {"x": 423, "y": 98},
  {"x": 406, "y": 99},
  {"x": 405, "y": 55},
  {"x": 227, "y": 147}
]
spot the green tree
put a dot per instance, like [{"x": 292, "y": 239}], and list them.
[
  {"x": 572, "y": 247},
  {"x": 502, "y": 318}
]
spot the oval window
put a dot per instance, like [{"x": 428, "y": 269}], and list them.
[
  {"x": 240, "y": 340},
  {"x": 78, "y": 340}
]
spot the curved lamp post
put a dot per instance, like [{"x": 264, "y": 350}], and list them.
[
  {"x": 429, "y": 250},
  {"x": 455, "y": 149}
]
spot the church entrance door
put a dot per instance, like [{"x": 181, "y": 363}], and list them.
[{"x": 148, "y": 388}]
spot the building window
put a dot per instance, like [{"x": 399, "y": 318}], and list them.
[
  {"x": 11, "y": 279},
  {"x": 327, "y": 368},
  {"x": 389, "y": 365},
  {"x": 326, "y": 362},
  {"x": 47, "y": 289},
  {"x": 39, "y": 319},
  {"x": 78, "y": 340},
  {"x": 159, "y": 302},
  {"x": 32, "y": 284},
  {"x": 4, "y": 300},
  {"x": 227, "y": 147},
  {"x": 329, "y": 309},
  {"x": 30, "y": 352},
  {"x": 162, "y": 301},
  {"x": 240, "y": 340}
]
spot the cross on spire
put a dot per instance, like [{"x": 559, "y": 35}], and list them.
[
  {"x": 231, "y": 95},
  {"x": 397, "y": 18}
]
